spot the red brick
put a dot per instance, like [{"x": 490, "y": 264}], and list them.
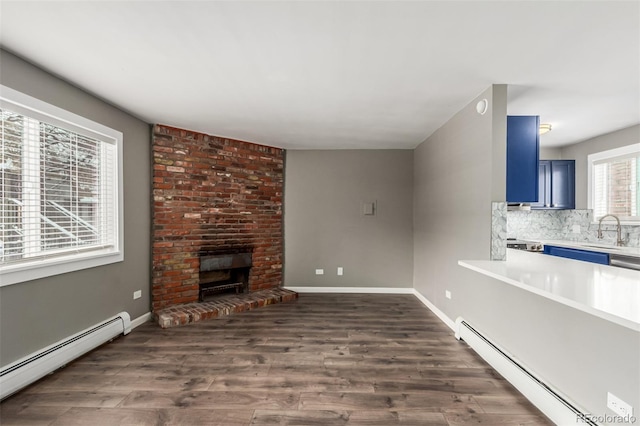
[{"x": 213, "y": 193}]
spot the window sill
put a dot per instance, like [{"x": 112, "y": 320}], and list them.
[{"x": 43, "y": 268}]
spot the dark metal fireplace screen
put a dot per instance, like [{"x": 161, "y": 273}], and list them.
[{"x": 224, "y": 272}]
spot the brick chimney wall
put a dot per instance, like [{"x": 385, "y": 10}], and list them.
[{"x": 212, "y": 195}]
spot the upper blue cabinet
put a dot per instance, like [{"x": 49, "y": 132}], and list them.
[
  {"x": 523, "y": 150},
  {"x": 557, "y": 185}
]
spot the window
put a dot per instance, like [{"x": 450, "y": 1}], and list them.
[
  {"x": 614, "y": 182},
  {"x": 60, "y": 190}
]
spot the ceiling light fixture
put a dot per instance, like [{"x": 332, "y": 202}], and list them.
[
  {"x": 545, "y": 128},
  {"x": 482, "y": 106}
]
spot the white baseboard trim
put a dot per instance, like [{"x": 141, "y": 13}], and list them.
[
  {"x": 141, "y": 320},
  {"x": 367, "y": 290},
  {"x": 445, "y": 319}
]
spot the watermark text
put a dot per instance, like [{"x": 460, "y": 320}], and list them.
[{"x": 606, "y": 418}]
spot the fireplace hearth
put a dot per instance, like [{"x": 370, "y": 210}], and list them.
[
  {"x": 222, "y": 306},
  {"x": 224, "y": 273}
]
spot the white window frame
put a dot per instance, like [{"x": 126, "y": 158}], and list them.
[
  {"x": 74, "y": 261},
  {"x": 604, "y": 155}
]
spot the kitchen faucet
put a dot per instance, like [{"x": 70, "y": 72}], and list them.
[{"x": 619, "y": 241}]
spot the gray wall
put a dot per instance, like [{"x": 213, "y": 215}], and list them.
[
  {"x": 580, "y": 151},
  {"x": 37, "y": 313},
  {"x": 325, "y": 227},
  {"x": 578, "y": 354},
  {"x": 454, "y": 175},
  {"x": 550, "y": 153}
]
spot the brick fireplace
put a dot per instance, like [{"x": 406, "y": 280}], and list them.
[{"x": 213, "y": 196}]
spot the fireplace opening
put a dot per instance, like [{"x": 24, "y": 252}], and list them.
[{"x": 224, "y": 273}]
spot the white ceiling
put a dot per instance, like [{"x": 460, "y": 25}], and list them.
[{"x": 340, "y": 74}]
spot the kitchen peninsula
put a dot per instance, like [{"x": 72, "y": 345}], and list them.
[
  {"x": 607, "y": 292},
  {"x": 575, "y": 321}
]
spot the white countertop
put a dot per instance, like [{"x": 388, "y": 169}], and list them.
[
  {"x": 605, "y": 291},
  {"x": 602, "y": 248}
]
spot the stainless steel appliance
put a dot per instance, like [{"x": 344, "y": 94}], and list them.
[{"x": 533, "y": 246}]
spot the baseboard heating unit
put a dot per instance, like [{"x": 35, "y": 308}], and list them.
[
  {"x": 549, "y": 401},
  {"x": 27, "y": 370}
]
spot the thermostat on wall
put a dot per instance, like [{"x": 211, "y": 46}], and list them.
[{"x": 368, "y": 209}]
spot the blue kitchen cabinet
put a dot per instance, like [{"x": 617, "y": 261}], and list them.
[
  {"x": 577, "y": 254},
  {"x": 556, "y": 185},
  {"x": 563, "y": 184},
  {"x": 523, "y": 147},
  {"x": 544, "y": 185}
]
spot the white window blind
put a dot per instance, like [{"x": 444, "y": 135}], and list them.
[
  {"x": 615, "y": 182},
  {"x": 57, "y": 192},
  {"x": 60, "y": 184}
]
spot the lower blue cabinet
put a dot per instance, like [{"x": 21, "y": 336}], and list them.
[{"x": 584, "y": 255}]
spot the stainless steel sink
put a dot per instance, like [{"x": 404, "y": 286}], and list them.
[{"x": 622, "y": 261}]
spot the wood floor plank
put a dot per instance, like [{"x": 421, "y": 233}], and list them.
[
  {"x": 82, "y": 416},
  {"x": 336, "y": 418},
  {"x": 455, "y": 419},
  {"x": 459, "y": 372},
  {"x": 213, "y": 400},
  {"x": 404, "y": 418},
  {"x": 153, "y": 417},
  {"x": 327, "y": 359},
  {"x": 31, "y": 416},
  {"x": 384, "y": 362},
  {"x": 461, "y": 386},
  {"x": 295, "y": 417},
  {"x": 65, "y": 398},
  {"x": 437, "y": 400},
  {"x": 328, "y": 349},
  {"x": 502, "y": 404},
  {"x": 294, "y": 383},
  {"x": 188, "y": 370},
  {"x": 124, "y": 358},
  {"x": 93, "y": 368},
  {"x": 118, "y": 383}
]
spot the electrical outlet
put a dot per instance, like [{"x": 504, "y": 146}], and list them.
[
  {"x": 619, "y": 406},
  {"x": 575, "y": 229},
  {"x": 447, "y": 294},
  {"x": 319, "y": 271},
  {"x": 340, "y": 270},
  {"x": 137, "y": 294}
]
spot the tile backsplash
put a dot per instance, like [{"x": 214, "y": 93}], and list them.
[
  {"x": 499, "y": 231},
  {"x": 570, "y": 225}
]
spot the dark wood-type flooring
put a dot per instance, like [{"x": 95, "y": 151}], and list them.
[{"x": 327, "y": 359}]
